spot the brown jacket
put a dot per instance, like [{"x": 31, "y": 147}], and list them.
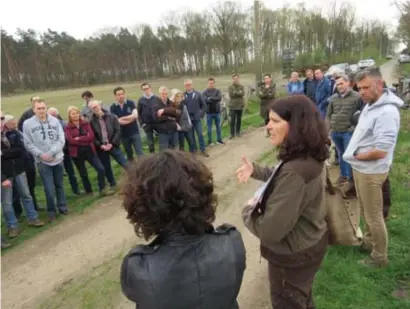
[{"x": 294, "y": 212}]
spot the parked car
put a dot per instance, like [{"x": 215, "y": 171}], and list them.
[
  {"x": 362, "y": 64},
  {"x": 344, "y": 67},
  {"x": 404, "y": 58},
  {"x": 354, "y": 68},
  {"x": 389, "y": 56}
]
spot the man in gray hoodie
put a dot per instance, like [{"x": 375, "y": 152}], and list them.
[
  {"x": 44, "y": 139},
  {"x": 370, "y": 154}
]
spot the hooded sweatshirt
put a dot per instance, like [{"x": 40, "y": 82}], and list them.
[
  {"x": 44, "y": 137},
  {"x": 378, "y": 127}
]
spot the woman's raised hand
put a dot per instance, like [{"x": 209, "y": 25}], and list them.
[{"x": 245, "y": 171}]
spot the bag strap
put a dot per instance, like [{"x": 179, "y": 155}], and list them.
[{"x": 329, "y": 186}]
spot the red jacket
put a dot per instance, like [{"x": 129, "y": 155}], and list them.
[{"x": 71, "y": 132}]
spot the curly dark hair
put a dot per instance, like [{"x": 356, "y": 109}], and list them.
[
  {"x": 169, "y": 191},
  {"x": 308, "y": 136}
]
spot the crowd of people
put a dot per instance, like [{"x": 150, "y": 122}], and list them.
[
  {"x": 42, "y": 141},
  {"x": 288, "y": 213},
  {"x": 171, "y": 196}
]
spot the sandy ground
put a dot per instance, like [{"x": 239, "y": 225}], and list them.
[{"x": 36, "y": 270}]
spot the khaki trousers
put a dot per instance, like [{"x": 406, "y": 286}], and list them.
[{"x": 370, "y": 196}]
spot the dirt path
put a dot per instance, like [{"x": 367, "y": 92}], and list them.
[
  {"x": 35, "y": 271},
  {"x": 53, "y": 258}
]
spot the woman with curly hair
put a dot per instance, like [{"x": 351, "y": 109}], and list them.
[
  {"x": 288, "y": 213},
  {"x": 190, "y": 264}
]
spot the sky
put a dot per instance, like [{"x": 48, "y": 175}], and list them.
[{"x": 83, "y": 18}]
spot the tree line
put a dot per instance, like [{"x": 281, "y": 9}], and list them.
[
  {"x": 403, "y": 29},
  {"x": 216, "y": 41}
]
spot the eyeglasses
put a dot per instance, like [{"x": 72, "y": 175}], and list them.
[{"x": 147, "y": 88}]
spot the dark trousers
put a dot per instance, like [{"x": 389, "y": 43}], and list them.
[
  {"x": 236, "y": 121},
  {"x": 182, "y": 135},
  {"x": 167, "y": 140},
  {"x": 149, "y": 133},
  {"x": 69, "y": 168},
  {"x": 132, "y": 142},
  {"x": 31, "y": 174},
  {"x": 82, "y": 170},
  {"x": 386, "y": 198},
  {"x": 291, "y": 276},
  {"x": 105, "y": 159}
]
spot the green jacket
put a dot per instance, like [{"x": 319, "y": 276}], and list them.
[
  {"x": 236, "y": 96},
  {"x": 266, "y": 95},
  {"x": 340, "y": 111}
]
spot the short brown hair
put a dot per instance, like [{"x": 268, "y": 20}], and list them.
[
  {"x": 211, "y": 79},
  {"x": 169, "y": 191}
]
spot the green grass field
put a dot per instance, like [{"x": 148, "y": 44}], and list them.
[{"x": 64, "y": 98}]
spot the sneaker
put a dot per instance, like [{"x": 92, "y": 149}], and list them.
[
  {"x": 13, "y": 232},
  {"x": 36, "y": 223},
  {"x": 107, "y": 192},
  {"x": 51, "y": 219},
  {"x": 220, "y": 142},
  {"x": 376, "y": 263},
  {"x": 210, "y": 144},
  {"x": 205, "y": 154},
  {"x": 231, "y": 137}
]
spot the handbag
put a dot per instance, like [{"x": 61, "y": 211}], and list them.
[{"x": 343, "y": 216}]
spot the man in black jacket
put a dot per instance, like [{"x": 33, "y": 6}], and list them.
[
  {"x": 165, "y": 116},
  {"x": 213, "y": 97},
  {"x": 145, "y": 115},
  {"x": 107, "y": 140},
  {"x": 195, "y": 104},
  {"x": 12, "y": 171}
]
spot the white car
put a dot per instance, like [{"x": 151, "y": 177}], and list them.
[
  {"x": 354, "y": 68},
  {"x": 404, "y": 58},
  {"x": 366, "y": 63}
]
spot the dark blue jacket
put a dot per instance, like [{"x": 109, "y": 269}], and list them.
[
  {"x": 13, "y": 155},
  {"x": 309, "y": 88},
  {"x": 130, "y": 129},
  {"x": 145, "y": 115},
  {"x": 195, "y": 104},
  {"x": 322, "y": 93}
]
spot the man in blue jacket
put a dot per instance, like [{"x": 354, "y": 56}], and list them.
[
  {"x": 322, "y": 93},
  {"x": 196, "y": 106}
]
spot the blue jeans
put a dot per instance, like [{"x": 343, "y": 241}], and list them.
[
  {"x": 118, "y": 156},
  {"x": 69, "y": 168},
  {"x": 21, "y": 185},
  {"x": 197, "y": 127},
  {"x": 217, "y": 119},
  {"x": 130, "y": 142},
  {"x": 53, "y": 184},
  {"x": 167, "y": 140},
  {"x": 341, "y": 141},
  {"x": 182, "y": 135}
]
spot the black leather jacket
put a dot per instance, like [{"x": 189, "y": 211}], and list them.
[{"x": 179, "y": 271}]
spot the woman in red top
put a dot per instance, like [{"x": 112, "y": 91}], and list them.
[{"x": 80, "y": 140}]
